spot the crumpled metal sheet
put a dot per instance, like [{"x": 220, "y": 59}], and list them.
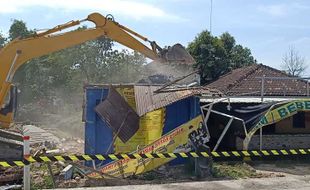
[
  {"x": 119, "y": 116},
  {"x": 147, "y": 100}
]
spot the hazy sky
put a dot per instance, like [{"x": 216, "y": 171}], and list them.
[{"x": 267, "y": 27}]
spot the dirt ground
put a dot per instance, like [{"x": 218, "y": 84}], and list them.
[
  {"x": 278, "y": 183},
  {"x": 287, "y": 167},
  {"x": 257, "y": 175}
]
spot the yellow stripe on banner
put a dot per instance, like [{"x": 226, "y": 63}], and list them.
[
  {"x": 160, "y": 155},
  {"x": 125, "y": 156},
  {"x": 274, "y": 152},
  {"x": 255, "y": 153},
  {"x": 172, "y": 155},
  {"x": 137, "y": 156},
  {"x": 73, "y": 158},
  {"x": 45, "y": 159},
  {"x": 100, "y": 157},
  {"x": 235, "y": 153},
  {"x": 59, "y": 158},
  {"x": 183, "y": 155},
  {"x": 205, "y": 154},
  {"x": 302, "y": 151},
  {"x": 113, "y": 157},
  {"x": 86, "y": 157},
  {"x": 293, "y": 151},
  {"x": 31, "y": 159},
  {"x": 194, "y": 154},
  {"x": 149, "y": 155},
  {"x": 215, "y": 154},
  {"x": 19, "y": 163},
  {"x": 5, "y": 164},
  {"x": 226, "y": 154},
  {"x": 245, "y": 153},
  {"x": 265, "y": 153},
  {"x": 284, "y": 152}
]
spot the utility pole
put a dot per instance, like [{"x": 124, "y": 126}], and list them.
[{"x": 211, "y": 7}]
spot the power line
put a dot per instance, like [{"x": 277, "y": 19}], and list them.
[{"x": 211, "y": 7}]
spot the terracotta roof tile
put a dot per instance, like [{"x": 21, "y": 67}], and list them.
[{"x": 247, "y": 80}]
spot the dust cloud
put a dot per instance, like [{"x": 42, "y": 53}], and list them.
[
  {"x": 171, "y": 70},
  {"x": 62, "y": 111}
]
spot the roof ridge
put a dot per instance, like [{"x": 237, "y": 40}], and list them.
[
  {"x": 245, "y": 75},
  {"x": 276, "y": 70},
  {"x": 283, "y": 72}
]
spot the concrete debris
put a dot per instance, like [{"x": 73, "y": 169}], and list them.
[
  {"x": 10, "y": 187},
  {"x": 178, "y": 54},
  {"x": 10, "y": 175},
  {"x": 39, "y": 136},
  {"x": 164, "y": 72},
  {"x": 71, "y": 145},
  {"x": 155, "y": 79},
  {"x": 45, "y": 138},
  {"x": 67, "y": 172}
]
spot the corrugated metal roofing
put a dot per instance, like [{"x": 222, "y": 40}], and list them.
[{"x": 147, "y": 100}]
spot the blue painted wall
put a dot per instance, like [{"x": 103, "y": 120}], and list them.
[
  {"x": 179, "y": 113},
  {"x": 98, "y": 136}
]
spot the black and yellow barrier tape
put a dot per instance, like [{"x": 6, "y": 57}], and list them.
[{"x": 228, "y": 155}]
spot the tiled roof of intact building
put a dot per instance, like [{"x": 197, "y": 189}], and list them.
[{"x": 247, "y": 81}]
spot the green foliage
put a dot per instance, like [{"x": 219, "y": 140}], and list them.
[
  {"x": 2, "y": 40},
  {"x": 241, "y": 57},
  {"x": 45, "y": 181},
  {"x": 63, "y": 73},
  {"x": 216, "y": 56},
  {"x": 19, "y": 29},
  {"x": 233, "y": 170}
]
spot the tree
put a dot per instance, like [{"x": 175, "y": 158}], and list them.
[
  {"x": 64, "y": 72},
  {"x": 241, "y": 57},
  {"x": 229, "y": 41},
  {"x": 2, "y": 40},
  {"x": 293, "y": 63},
  {"x": 210, "y": 56},
  {"x": 216, "y": 56},
  {"x": 19, "y": 29}
]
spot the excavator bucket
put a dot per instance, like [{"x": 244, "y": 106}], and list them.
[{"x": 177, "y": 54}]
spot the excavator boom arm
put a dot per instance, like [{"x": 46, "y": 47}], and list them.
[{"x": 18, "y": 52}]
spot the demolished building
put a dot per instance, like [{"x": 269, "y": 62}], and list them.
[
  {"x": 263, "y": 108},
  {"x": 134, "y": 118}
]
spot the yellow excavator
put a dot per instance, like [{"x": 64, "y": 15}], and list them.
[{"x": 19, "y": 51}]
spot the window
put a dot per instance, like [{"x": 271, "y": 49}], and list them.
[{"x": 299, "y": 120}]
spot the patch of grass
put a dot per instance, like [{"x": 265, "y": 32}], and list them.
[
  {"x": 46, "y": 183},
  {"x": 233, "y": 170},
  {"x": 40, "y": 178}
]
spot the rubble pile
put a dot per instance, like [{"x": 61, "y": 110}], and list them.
[
  {"x": 71, "y": 145},
  {"x": 10, "y": 175}
]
